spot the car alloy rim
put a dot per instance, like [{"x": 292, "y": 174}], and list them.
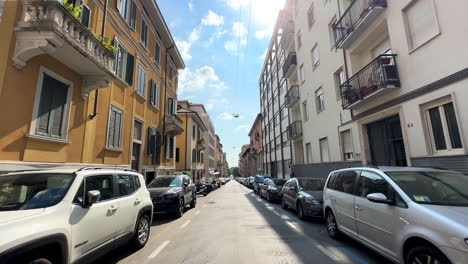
[
  {"x": 143, "y": 229},
  {"x": 331, "y": 226},
  {"x": 424, "y": 258}
]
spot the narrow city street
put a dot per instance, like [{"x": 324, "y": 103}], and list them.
[{"x": 233, "y": 225}]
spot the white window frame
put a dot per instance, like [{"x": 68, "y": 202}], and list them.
[
  {"x": 331, "y": 32},
  {"x": 140, "y": 162},
  {"x": 126, "y": 16},
  {"x": 37, "y": 100},
  {"x": 119, "y": 46},
  {"x": 156, "y": 94},
  {"x": 301, "y": 73},
  {"x": 337, "y": 78},
  {"x": 305, "y": 111},
  {"x": 157, "y": 62},
  {"x": 320, "y": 104},
  {"x": 309, "y": 11},
  {"x": 449, "y": 151},
  {"x": 142, "y": 83},
  {"x": 308, "y": 154},
  {"x": 143, "y": 41},
  {"x": 315, "y": 57},
  {"x": 121, "y": 128},
  {"x": 299, "y": 40},
  {"x": 2, "y": 3},
  {"x": 321, "y": 151},
  {"x": 352, "y": 158}
]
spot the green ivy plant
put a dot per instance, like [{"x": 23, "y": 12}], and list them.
[
  {"x": 107, "y": 43},
  {"x": 74, "y": 10}
]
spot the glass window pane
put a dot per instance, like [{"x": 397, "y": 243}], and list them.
[
  {"x": 345, "y": 182},
  {"x": 437, "y": 129},
  {"x": 126, "y": 184},
  {"x": 452, "y": 125},
  {"x": 371, "y": 183},
  {"x": 103, "y": 184}
]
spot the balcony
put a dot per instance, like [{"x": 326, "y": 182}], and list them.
[
  {"x": 357, "y": 17},
  {"x": 292, "y": 96},
  {"x": 295, "y": 129},
  {"x": 46, "y": 27},
  {"x": 200, "y": 144},
  {"x": 375, "y": 79},
  {"x": 288, "y": 35},
  {"x": 173, "y": 125},
  {"x": 289, "y": 64}
]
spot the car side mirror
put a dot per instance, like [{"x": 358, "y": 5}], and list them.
[
  {"x": 92, "y": 197},
  {"x": 378, "y": 198},
  {"x": 186, "y": 184}
]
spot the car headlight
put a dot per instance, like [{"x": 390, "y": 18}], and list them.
[{"x": 312, "y": 201}]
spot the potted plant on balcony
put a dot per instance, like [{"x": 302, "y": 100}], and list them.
[{"x": 350, "y": 95}]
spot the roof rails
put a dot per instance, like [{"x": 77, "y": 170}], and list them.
[
  {"x": 372, "y": 166},
  {"x": 106, "y": 168}
]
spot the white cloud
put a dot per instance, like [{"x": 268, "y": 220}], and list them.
[
  {"x": 190, "y": 5},
  {"x": 238, "y": 29},
  {"x": 199, "y": 79},
  {"x": 242, "y": 128},
  {"x": 194, "y": 35},
  {"x": 225, "y": 116},
  {"x": 216, "y": 35},
  {"x": 232, "y": 45},
  {"x": 212, "y": 19},
  {"x": 184, "y": 48},
  {"x": 261, "y": 34},
  {"x": 236, "y": 4},
  {"x": 209, "y": 106}
]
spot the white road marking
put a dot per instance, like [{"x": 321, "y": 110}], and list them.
[
  {"x": 276, "y": 213},
  {"x": 291, "y": 224},
  {"x": 185, "y": 224},
  {"x": 328, "y": 253},
  {"x": 159, "y": 249},
  {"x": 197, "y": 212}
]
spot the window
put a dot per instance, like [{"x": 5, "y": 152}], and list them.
[
  {"x": 202, "y": 158},
  {"x": 301, "y": 73},
  {"x": 278, "y": 142},
  {"x": 102, "y": 183},
  {"x": 443, "y": 128},
  {"x": 177, "y": 154},
  {"x": 284, "y": 112},
  {"x": 332, "y": 181},
  {"x": 137, "y": 130},
  {"x": 171, "y": 73},
  {"x": 319, "y": 100},
  {"x": 124, "y": 64},
  {"x": 315, "y": 56},
  {"x": 308, "y": 153},
  {"x": 299, "y": 40},
  {"x": 114, "y": 132},
  {"x": 1, "y": 9},
  {"x": 157, "y": 53},
  {"x": 85, "y": 16},
  {"x": 144, "y": 33},
  {"x": 171, "y": 106},
  {"x": 169, "y": 147},
  {"x": 194, "y": 132},
  {"x": 421, "y": 22},
  {"x": 311, "y": 16},
  {"x": 194, "y": 155},
  {"x": 141, "y": 85},
  {"x": 127, "y": 9},
  {"x": 305, "y": 111},
  {"x": 52, "y": 106},
  {"x": 154, "y": 94},
  {"x": 345, "y": 182},
  {"x": 371, "y": 183},
  {"x": 340, "y": 78},
  {"x": 324, "y": 154},
  {"x": 347, "y": 145},
  {"x": 331, "y": 32},
  {"x": 285, "y": 139},
  {"x": 126, "y": 184}
]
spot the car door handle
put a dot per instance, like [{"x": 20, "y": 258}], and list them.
[
  {"x": 113, "y": 208},
  {"x": 137, "y": 202},
  {"x": 357, "y": 208}
]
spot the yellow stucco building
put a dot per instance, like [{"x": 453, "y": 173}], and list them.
[{"x": 95, "y": 87}]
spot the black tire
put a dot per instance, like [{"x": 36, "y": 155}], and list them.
[
  {"x": 193, "y": 203},
  {"x": 332, "y": 226},
  {"x": 40, "y": 261},
  {"x": 268, "y": 197},
  {"x": 300, "y": 211},
  {"x": 283, "y": 204},
  {"x": 424, "y": 254},
  {"x": 180, "y": 209},
  {"x": 142, "y": 232}
]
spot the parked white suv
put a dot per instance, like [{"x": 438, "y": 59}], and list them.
[
  {"x": 71, "y": 216},
  {"x": 410, "y": 215}
]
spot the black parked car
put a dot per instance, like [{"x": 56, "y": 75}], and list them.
[
  {"x": 258, "y": 182},
  {"x": 271, "y": 189},
  {"x": 171, "y": 194},
  {"x": 250, "y": 181},
  {"x": 305, "y": 195}
]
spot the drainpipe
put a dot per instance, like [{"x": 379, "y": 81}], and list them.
[{"x": 103, "y": 30}]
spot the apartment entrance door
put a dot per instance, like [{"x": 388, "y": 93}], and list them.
[{"x": 386, "y": 142}]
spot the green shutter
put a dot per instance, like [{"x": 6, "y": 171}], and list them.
[
  {"x": 133, "y": 10},
  {"x": 152, "y": 92},
  {"x": 157, "y": 156},
  {"x": 111, "y": 130},
  {"x": 130, "y": 69},
  {"x": 151, "y": 141},
  {"x": 45, "y": 107},
  {"x": 118, "y": 129},
  {"x": 52, "y": 107},
  {"x": 86, "y": 16},
  {"x": 156, "y": 94}
]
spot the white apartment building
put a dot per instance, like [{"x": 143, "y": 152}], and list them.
[{"x": 376, "y": 82}]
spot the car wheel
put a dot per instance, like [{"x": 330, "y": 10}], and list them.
[
  {"x": 40, "y": 261},
  {"x": 180, "y": 209},
  {"x": 300, "y": 211},
  {"x": 332, "y": 226},
  {"x": 269, "y": 197},
  {"x": 142, "y": 232},
  {"x": 193, "y": 203},
  {"x": 283, "y": 203},
  {"x": 426, "y": 254}
]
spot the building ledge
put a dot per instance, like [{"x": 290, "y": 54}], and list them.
[{"x": 49, "y": 139}]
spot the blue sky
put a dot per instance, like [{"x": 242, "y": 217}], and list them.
[{"x": 223, "y": 43}]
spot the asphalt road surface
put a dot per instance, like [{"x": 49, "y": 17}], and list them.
[{"x": 233, "y": 225}]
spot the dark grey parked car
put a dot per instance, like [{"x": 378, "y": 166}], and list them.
[
  {"x": 271, "y": 189},
  {"x": 305, "y": 195},
  {"x": 171, "y": 194}
]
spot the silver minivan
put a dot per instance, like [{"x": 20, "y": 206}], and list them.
[{"x": 409, "y": 215}]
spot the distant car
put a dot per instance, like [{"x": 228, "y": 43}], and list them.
[
  {"x": 409, "y": 215},
  {"x": 250, "y": 181},
  {"x": 258, "y": 182},
  {"x": 304, "y": 195},
  {"x": 271, "y": 189},
  {"x": 171, "y": 194}
]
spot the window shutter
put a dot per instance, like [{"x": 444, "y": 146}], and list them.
[
  {"x": 86, "y": 16},
  {"x": 117, "y": 130},
  {"x": 194, "y": 155},
  {"x": 156, "y": 94},
  {"x": 151, "y": 140},
  {"x": 157, "y": 156},
  {"x": 130, "y": 69},
  {"x": 171, "y": 147},
  {"x": 152, "y": 92},
  {"x": 111, "y": 130},
  {"x": 45, "y": 107},
  {"x": 133, "y": 15},
  {"x": 58, "y": 108}
]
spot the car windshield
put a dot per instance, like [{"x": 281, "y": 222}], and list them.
[
  {"x": 438, "y": 188},
  {"x": 165, "y": 182},
  {"x": 260, "y": 179},
  {"x": 251, "y": 178},
  {"x": 33, "y": 191},
  {"x": 278, "y": 182},
  {"x": 311, "y": 184}
]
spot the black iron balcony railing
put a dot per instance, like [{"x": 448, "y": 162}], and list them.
[
  {"x": 292, "y": 96},
  {"x": 295, "y": 129},
  {"x": 289, "y": 64},
  {"x": 353, "y": 18},
  {"x": 380, "y": 75}
]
